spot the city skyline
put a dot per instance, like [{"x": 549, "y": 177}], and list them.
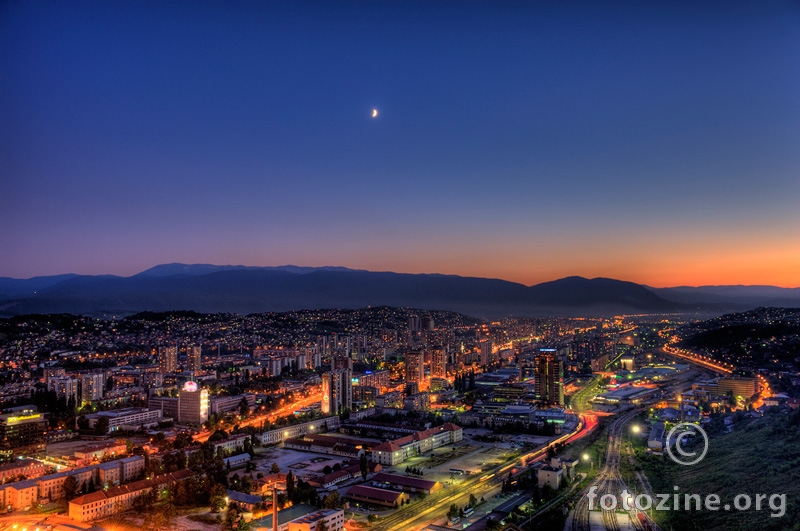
[{"x": 650, "y": 143}]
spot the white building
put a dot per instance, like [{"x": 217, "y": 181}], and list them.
[
  {"x": 395, "y": 452},
  {"x": 131, "y": 418},
  {"x": 93, "y": 386},
  {"x": 333, "y": 518}
]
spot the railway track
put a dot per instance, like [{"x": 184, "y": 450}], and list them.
[{"x": 609, "y": 481}]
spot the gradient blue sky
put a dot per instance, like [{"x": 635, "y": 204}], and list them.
[{"x": 657, "y": 142}]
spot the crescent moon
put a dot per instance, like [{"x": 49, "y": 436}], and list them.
[{"x": 374, "y": 113}]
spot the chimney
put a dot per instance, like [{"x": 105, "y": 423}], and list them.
[{"x": 274, "y": 509}]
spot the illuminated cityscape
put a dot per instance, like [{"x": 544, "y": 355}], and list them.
[{"x": 399, "y": 266}]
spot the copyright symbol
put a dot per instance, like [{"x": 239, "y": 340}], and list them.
[{"x": 685, "y": 457}]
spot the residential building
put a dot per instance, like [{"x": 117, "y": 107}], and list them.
[
  {"x": 104, "y": 503},
  {"x": 438, "y": 362},
  {"x": 193, "y": 358},
  {"x": 167, "y": 360},
  {"x": 337, "y": 391},
  {"x": 415, "y": 371},
  {"x": 417, "y": 402},
  {"x": 549, "y": 385},
  {"x": 29, "y": 468},
  {"x": 64, "y": 387},
  {"x": 93, "y": 386},
  {"x": 131, "y": 467},
  {"x": 234, "y": 443},
  {"x": 379, "y": 379}
]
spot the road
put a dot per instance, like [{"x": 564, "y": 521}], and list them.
[
  {"x": 272, "y": 416},
  {"x": 698, "y": 359}
]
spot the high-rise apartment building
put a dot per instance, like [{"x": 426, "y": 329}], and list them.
[
  {"x": 549, "y": 384},
  {"x": 337, "y": 391},
  {"x": 486, "y": 352},
  {"x": 342, "y": 363},
  {"x": 167, "y": 359},
  {"x": 379, "y": 379},
  {"x": 64, "y": 387},
  {"x": 93, "y": 386},
  {"x": 438, "y": 362},
  {"x": 193, "y": 358},
  {"x": 415, "y": 371}
]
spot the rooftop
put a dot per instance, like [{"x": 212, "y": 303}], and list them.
[{"x": 374, "y": 493}]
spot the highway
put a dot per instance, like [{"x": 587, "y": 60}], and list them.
[{"x": 699, "y": 359}]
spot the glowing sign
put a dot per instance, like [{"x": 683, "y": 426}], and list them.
[
  {"x": 190, "y": 387},
  {"x": 14, "y": 420}
]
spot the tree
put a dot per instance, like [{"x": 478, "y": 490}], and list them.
[
  {"x": 364, "y": 466},
  {"x": 322, "y": 525},
  {"x": 290, "y": 486},
  {"x": 275, "y": 468},
  {"x": 473, "y": 501},
  {"x": 182, "y": 440},
  {"x": 101, "y": 427},
  {"x": 218, "y": 435},
  {"x": 83, "y": 423},
  {"x": 217, "y": 501},
  {"x": 327, "y": 469},
  {"x": 244, "y": 407},
  {"x": 70, "y": 488},
  {"x": 332, "y": 501},
  {"x": 232, "y": 517}
]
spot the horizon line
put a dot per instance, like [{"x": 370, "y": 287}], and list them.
[{"x": 402, "y": 273}]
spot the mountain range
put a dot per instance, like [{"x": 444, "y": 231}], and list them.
[{"x": 243, "y": 289}]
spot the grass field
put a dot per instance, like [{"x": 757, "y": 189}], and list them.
[{"x": 761, "y": 456}]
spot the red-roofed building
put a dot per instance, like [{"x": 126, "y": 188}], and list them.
[
  {"x": 395, "y": 452},
  {"x": 329, "y": 480},
  {"x": 405, "y": 483},
  {"x": 387, "y": 498},
  {"x": 29, "y": 468},
  {"x": 118, "y": 499}
]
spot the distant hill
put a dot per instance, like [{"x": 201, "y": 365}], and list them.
[
  {"x": 731, "y": 298},
  {"x": 168, "y": 270},
  {"x": 13, "y": 287},
  {"x": 241, "y": 289}
]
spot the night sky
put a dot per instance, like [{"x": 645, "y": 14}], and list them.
[{"x": 657, "y": 142}]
